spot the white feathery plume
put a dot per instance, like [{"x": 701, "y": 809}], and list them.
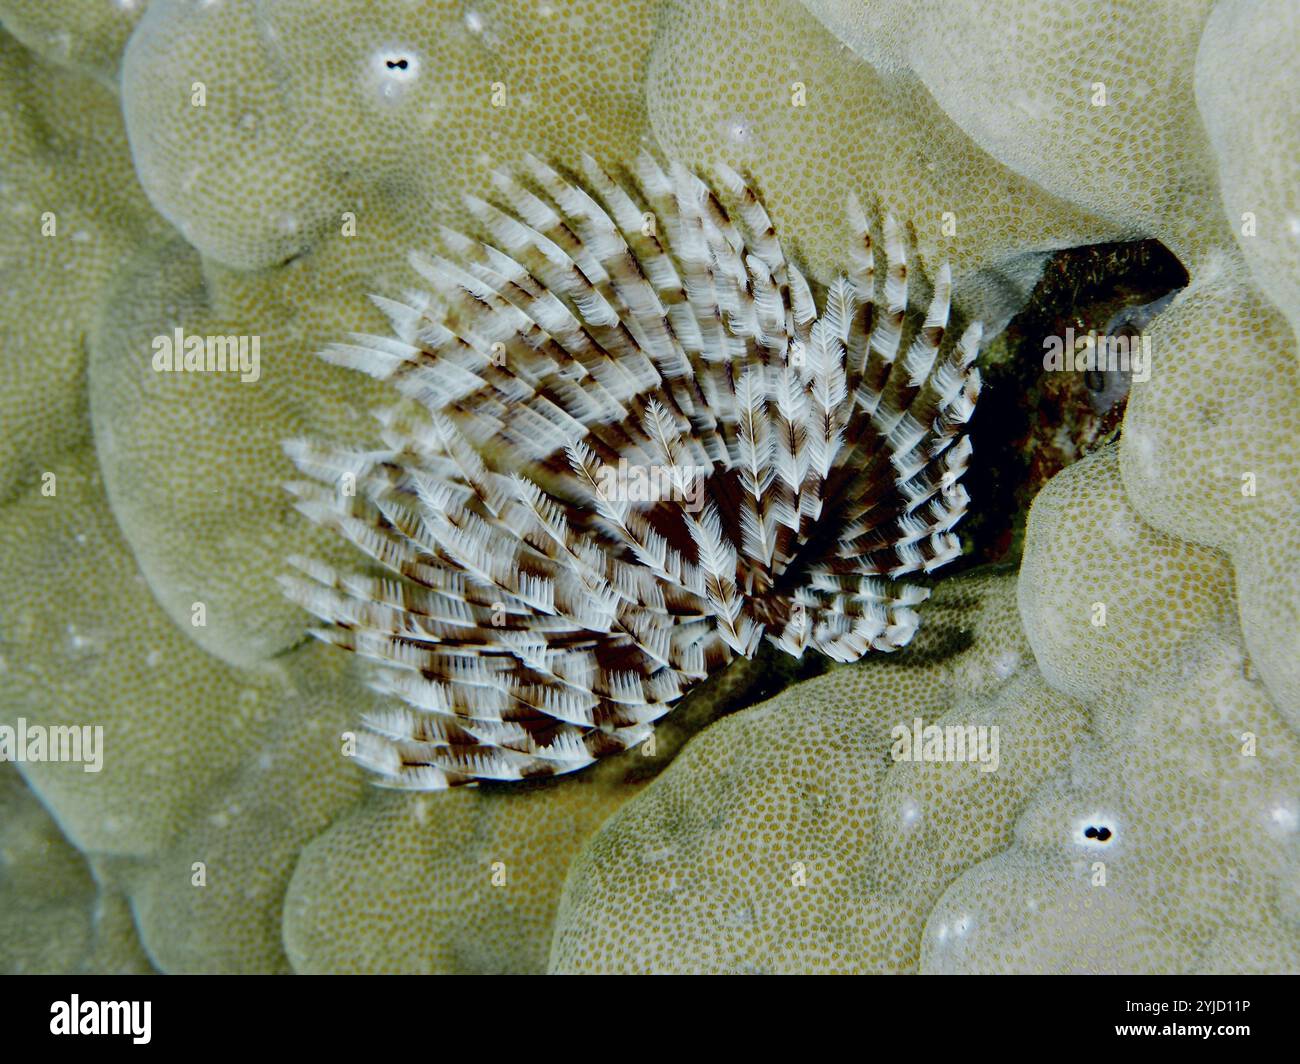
[{"x": 630, "y": 425}]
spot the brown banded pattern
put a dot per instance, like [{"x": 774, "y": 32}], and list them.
[{"x": 526, "y": 608}]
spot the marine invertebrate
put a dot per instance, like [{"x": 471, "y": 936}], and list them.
[
  {"x": 284, "y": 243},
  {"x": 193, "y": 504},
  {"x": 499, "y": 851},
  {"x": 538, "y": 610}
]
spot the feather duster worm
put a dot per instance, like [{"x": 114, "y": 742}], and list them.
[{"x": 636, "y": 449}]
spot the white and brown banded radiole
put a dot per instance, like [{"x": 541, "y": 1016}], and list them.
[{"x": 528, "y": 615}]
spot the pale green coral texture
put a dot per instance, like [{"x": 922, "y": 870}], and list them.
[{"x": 260, "y": 168}]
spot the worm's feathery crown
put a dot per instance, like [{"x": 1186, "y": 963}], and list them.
[{"x": 635, "y": 450}]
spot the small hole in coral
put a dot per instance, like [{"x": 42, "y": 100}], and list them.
[
  {"x": 394, "y": 69},
  {"x": 1101, "y": 834}
]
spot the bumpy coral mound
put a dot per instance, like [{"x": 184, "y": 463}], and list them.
[
  {"x": 1051, "y": 91},
  {"x": 114, "y": 661},
  {"x": 786, "y": 839},
  {"x": 53, "y": 917},
  {"x": 282, "y": 159},
  {"x": 1252, "y": 115},
  {"x": 1150, "y": 827},
  {"x": 388, "y": 889},
  {"x": 192, "y": 461},
  {"x": 1166, "y": 847},
  {"x": 61, "y": 242},
  {"x": 783, "y": 102},
  {"x": 213, "y": 144},
  {"x": 1207, "y": 454},
  {"x": 249, "y": 829},
  {"x": 1221, "y": 404},
  {"x": 87, "y": 36},
  {"x": 46, "y": 891},
  {"x": 1105, "y": 597},
  {"x": 255, "y": 126},
  {"x": 239, "y": 769},
  {"x": 1170, "y": 836},
  {"x": 301, "y": 164}
]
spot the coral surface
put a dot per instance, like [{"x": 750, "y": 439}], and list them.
[{"x": 248, "y": 174}]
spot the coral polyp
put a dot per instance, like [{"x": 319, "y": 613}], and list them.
[{"x": 635, "y": 444}]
